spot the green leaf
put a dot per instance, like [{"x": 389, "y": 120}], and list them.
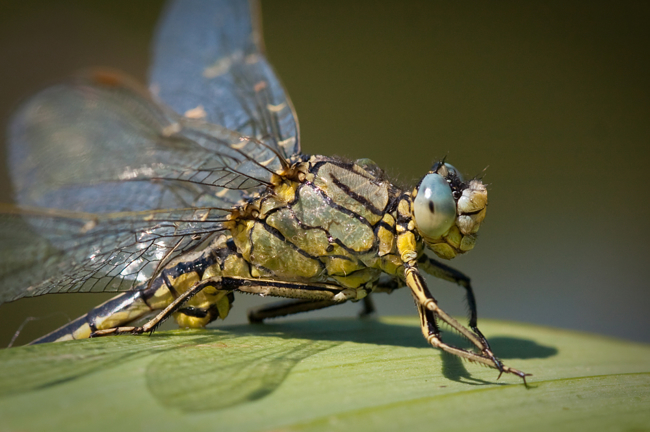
[{"x": 325, "y": 375}]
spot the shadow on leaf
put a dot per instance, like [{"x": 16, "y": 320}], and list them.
[
  {"x": 514, "y": 348},
  {"x": 507, "y": 348},
  {"x": 57, "y": 363},
  {"x": 201, "y": 370},
  {"x": 220, "y": 375}
]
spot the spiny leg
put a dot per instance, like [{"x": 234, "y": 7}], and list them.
[
  {"x": 310, "y": 297},
  {"x": 284, "y": 308},
  {"x": 295, "y": 290},
  {"x": 424, "y": 298},
  {"x": 443, "y": 271},
  {"x": 290, "y": 307},
  {"x": 432, "y": 334}
]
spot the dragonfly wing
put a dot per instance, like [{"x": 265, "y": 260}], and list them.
[
  {"x": 83, "y": 252},
  {"x": 99, "y": 144},
  {"x": 108, "y": 181},
  {"x": 109, "y": 184},
  {"x": 209, "y": 63}
]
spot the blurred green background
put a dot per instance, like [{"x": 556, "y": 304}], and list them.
[{"x": 552, "y": 96}]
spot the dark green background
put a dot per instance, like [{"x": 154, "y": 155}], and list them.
[{"x": 552, "y": 96}]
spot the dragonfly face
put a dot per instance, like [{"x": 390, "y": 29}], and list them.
[
  {"x": 186, "y": 193},
  {"x": 447, "y": 211}
]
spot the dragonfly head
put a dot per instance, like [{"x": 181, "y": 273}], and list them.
[{"x": 448, "y": 211}]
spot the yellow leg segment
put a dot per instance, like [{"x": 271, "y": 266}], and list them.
[{"x": 428, "y": 309}]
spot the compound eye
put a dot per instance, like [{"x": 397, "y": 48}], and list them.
[{"x": 434, "y": 207}]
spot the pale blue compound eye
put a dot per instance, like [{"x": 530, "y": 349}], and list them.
[{"x": 434, "y": 207}]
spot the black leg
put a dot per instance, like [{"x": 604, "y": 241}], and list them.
[
  {"x": 284, "y": 308},
  {"x": 368, "y": 307},
  {"x": 425, "y": 301},
  {"x": 432, "y": 335},
  {"x": 443, "y": 271}
]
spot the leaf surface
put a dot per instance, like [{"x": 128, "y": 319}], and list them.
[{"x": 324, "y": 375}]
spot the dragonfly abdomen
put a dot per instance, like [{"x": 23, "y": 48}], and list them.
[
  {"x": 122, "y": 309},
  {"x": 153, "y": 296}
]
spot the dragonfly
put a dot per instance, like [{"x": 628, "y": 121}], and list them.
[{"x": 178, "y": 196}]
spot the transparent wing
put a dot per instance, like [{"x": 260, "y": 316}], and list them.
[
  {"x": 110, "y": 183},
  {"x": 93, "y": 253},
  {"x": 209, "y": 63},
  {"x": 99, "y": 144}
]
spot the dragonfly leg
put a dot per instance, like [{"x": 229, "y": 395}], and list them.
[
  {"x": 431, "y": 333},
  {"x": 151, "y": 325},
  {"x": 368, "y": 307},
  {"x": 307, "y": 304},
  {"x": 311, "y": 297},
  {"x": 443, "y": 271},
  {"x": 423, "y": 298},
  {"x": 295, "y": 290},
  {"x": 288, "y": 307},
  {"x": 386, "y": 284},
  {"x": 274, "y": 310}
]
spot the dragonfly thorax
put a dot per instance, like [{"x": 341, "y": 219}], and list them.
[{"x": 334, "y": 224}]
